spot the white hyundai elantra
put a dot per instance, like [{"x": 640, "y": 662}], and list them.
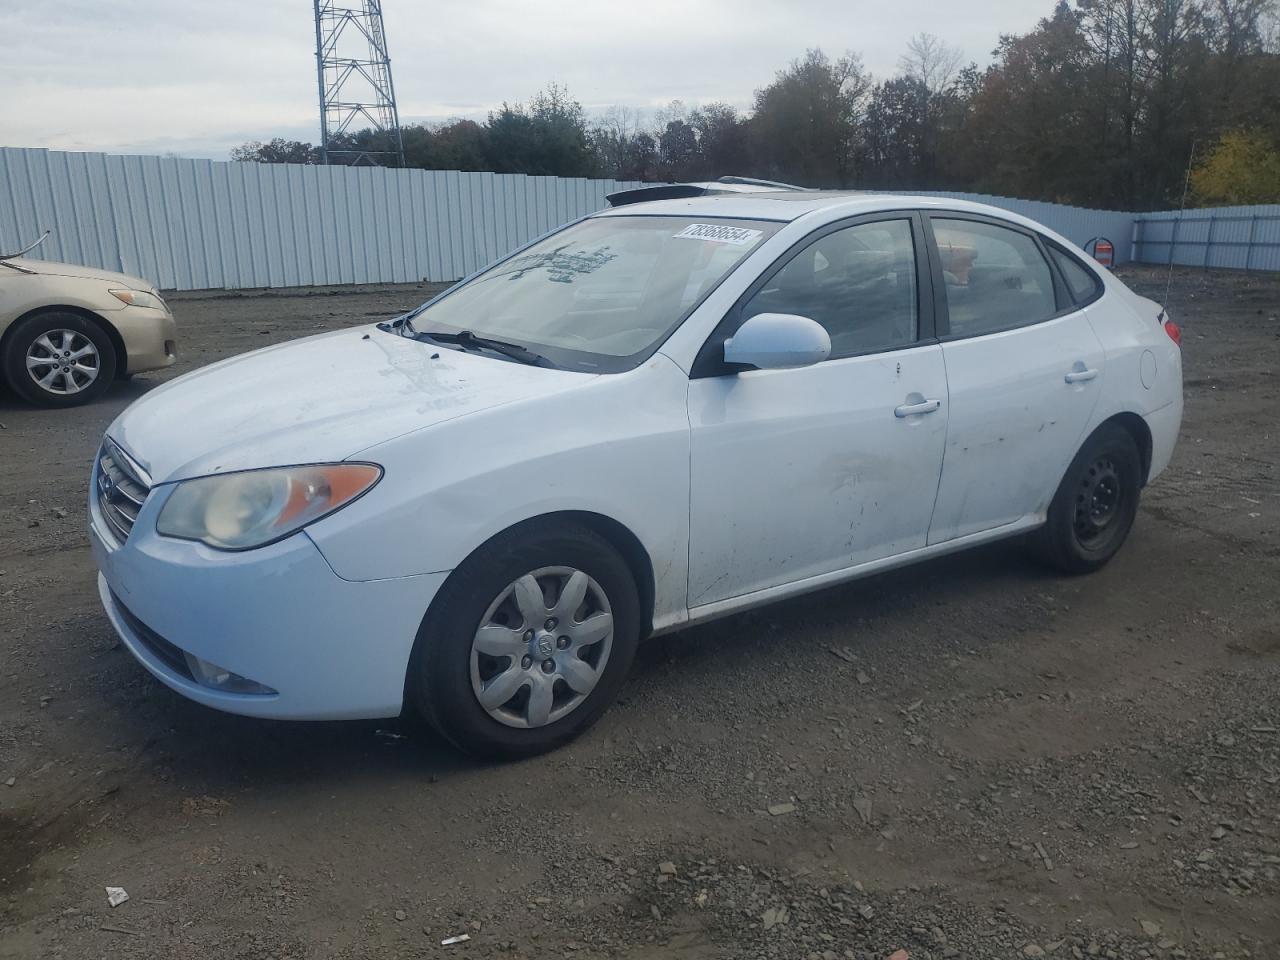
[{"x": 660, "y": 414}]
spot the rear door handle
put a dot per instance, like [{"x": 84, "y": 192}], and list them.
[
  {"x": 1080, "y": 376},
  {"x": 910, "y": 409}
]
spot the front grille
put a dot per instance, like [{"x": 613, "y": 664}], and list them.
[
  {"x": 162, "y": 649},
  {"x": 122, "y": 489}
]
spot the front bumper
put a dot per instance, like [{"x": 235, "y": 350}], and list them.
[
  {"x": 150, "y": 337},
  {"x": 332, "y": 649}
]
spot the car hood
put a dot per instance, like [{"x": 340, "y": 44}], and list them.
[
  {"x": 52, "y": 268},
  {"x": 317, "y": 400}
]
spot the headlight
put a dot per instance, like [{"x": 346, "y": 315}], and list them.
[
  {"x": 138, "y": 298},
  {"x": 240, "y": 511}
]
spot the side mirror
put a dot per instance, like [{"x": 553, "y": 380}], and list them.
[{"x": 776, "y": 341}]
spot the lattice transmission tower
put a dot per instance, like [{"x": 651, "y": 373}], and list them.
[{"x": 353, "y": 70}]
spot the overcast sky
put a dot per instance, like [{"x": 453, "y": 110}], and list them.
[{"x": 196, "y": 78}]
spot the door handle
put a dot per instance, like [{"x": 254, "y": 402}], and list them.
[
  {"x": 1080, "y": 376},
  {"x": 912, "y": 409}
]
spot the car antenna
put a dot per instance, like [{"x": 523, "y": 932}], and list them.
[
  {"x": 5, "y": 257},
  {"x": 1186, "y": 184}
]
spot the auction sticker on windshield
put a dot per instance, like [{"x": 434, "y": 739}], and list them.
[{"x": 718, "y": 233}]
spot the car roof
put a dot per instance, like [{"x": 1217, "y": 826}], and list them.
[{"x": 788, "y": 205}]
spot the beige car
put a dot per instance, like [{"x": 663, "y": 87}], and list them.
[{"x": 66, "y": 332}]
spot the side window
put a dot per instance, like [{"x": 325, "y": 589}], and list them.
[
  {"x": 995, "y": 278},
  {"x": 859, "y": 283},
  {"x": 1080, "y": 280}
]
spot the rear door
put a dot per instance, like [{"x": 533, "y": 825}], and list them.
[{"x": 1024, "y": 373}]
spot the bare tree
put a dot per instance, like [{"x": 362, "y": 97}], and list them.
[
  {"x": 1269, "y": 28},
  {"x": 931, "y": 61},
  {"x": 673, "y": 112},
  {"x": 1239, "y": 27}
]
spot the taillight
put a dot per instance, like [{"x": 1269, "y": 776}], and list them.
[{"x": 1174, "y": 332}]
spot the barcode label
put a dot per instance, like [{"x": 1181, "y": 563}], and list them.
[{"x": 718, "y": 233}]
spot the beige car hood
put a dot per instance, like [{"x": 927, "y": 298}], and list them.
[{"x": 54, "y": 269}]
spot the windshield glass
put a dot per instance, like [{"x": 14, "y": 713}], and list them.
[{"x": 603, "y": 293}]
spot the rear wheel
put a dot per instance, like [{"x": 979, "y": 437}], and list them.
[
  {"x": 528, "y": 642},
  {"x": 1096, "y": 503},
  {"x": 58, "y": 359}
]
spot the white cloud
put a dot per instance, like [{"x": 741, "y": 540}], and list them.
[{"x": 194, "y": 78}]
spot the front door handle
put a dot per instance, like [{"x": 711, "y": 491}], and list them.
[
  {"x": 1080, "y": 376},
  {"x": 911, "y": 409}
]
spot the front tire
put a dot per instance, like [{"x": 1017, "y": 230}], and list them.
[
  {"x": 58, "y": 359},
  {"x": 528, "y": 641},
  {"x": 1095, "y": 505}
]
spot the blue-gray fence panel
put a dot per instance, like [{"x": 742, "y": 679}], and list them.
[
  {"x": 1245, "y": 238},
  {"x": 1077, "y": 224},
  {"x": 202, "y": 224}
]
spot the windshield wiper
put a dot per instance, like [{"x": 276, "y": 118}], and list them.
[{"x": 465, "y": 339}]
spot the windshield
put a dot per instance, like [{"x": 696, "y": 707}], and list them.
[{"x": 603, "y": 293}]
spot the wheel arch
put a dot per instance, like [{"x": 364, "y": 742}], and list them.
[
  {"x": 616, "y": 534},
  {"x": 101, "y": 322}
]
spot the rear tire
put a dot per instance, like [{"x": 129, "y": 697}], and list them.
[
  {"x": 58, "y": 359},
  {"x": 1095, "y": 505},
  {"x": 545, "y": 673}
]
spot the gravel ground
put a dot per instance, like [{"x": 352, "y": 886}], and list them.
[{"x": 970, "y": 758}]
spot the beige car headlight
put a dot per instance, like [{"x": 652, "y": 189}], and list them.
[
  {"x": 240, "y": 511},
  {"x": 138, "y": 298}
]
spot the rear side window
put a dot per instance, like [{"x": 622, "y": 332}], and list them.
[
  {"x": 859, "y": 282},
  {"x": 995, "y": 278},
  {"x": 1081, "y": 282}
]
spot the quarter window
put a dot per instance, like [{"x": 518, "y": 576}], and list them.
[
  {"x": 995, "y": 278},
  {"x": 858, "y": 282},
  {"x": 1080, "y": 280}
]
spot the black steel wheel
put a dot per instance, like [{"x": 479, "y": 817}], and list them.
[{"x": 1096, "y": 503}]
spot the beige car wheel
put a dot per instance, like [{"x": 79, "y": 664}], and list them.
[{"x": 58, "y": 359}]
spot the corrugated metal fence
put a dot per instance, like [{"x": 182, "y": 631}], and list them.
[
  {"x": 204, "y": 224},
  {"x": 1078, "y": 224},
  {"x": 1247, "y": 238}
]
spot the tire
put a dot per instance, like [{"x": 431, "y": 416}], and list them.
[
  {"x": 52, "y": 336},
  {"x": 1095, "y": 505},
  {"x": 449, "y": 671}
]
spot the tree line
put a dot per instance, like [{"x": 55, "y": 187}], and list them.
[{"x": 1104, "y": 103}]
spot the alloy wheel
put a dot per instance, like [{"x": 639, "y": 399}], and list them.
[{"x": 63, "y": 362}]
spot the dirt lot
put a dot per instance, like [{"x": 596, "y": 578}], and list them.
[{"x": 972, "y": 758}]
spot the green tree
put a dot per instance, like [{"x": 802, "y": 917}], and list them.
[
  {"x": 278, "y": 150},
  {"x": 1025, "y": 130},
  {"x": 456, "y": 145},
  {"x": 806, "y": 122},
  {"x": 723, "y": 146},
  {"x": 548, "y": 138}
]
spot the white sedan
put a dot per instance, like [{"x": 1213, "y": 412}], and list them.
[{"x": 663, "y": 413}]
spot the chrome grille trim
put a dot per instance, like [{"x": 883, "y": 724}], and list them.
[{"x": 122, "y": 489}]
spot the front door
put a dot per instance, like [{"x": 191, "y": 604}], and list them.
[{"x": 797, "y": 473}]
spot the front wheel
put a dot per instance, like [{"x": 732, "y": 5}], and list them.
[
  {"x": 1096, "y": 503},
  {"x": 528, "y": 642},
  {"x": 58, "y": 359}
]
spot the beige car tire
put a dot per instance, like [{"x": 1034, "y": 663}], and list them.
[{"x": 58, "y": 359}]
